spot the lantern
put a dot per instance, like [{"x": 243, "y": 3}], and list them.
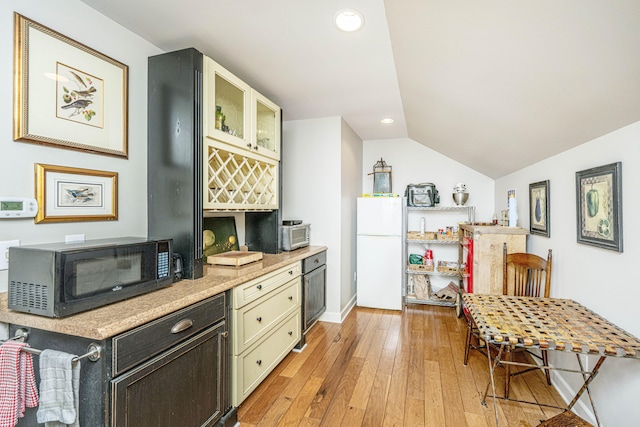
[{"x": 381, "y": 177}]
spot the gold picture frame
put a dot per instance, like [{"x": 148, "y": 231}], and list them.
[
  {"x": 66, "y": 194},
  {"x": 66, "y": 94}
]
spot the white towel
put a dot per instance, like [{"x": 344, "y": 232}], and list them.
[{"x": 59, "y": 389}]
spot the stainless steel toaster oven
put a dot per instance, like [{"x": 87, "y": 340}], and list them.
[{"x": 295, "y": 236}]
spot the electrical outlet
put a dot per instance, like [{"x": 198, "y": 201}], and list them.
[
  {"x": 4, "y": 252},
  {"x": 74, "y": 238}
]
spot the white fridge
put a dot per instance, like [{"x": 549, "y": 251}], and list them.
[{"x": 379, "y": 252}]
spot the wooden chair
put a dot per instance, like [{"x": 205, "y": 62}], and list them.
[{"x": 523, "y": 275}]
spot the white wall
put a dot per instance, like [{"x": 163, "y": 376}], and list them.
[
  {"x": 79, "y": 22},
  {"x": 351, "y": 171},
  {"x": 413, "y": 163},
  {"x": 602, "y": 280},
  {"x": 312, "y": 182}
]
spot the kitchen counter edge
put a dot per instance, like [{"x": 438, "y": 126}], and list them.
[{"x": 108, "y": 321}]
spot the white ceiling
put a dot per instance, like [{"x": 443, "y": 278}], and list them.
[{"x": 495, "y": 84}]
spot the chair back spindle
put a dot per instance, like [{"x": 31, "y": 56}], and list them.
[{"x": 526, "y": 274}]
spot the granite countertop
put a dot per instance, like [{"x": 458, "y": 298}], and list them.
[{"x": 110, "y": 320}]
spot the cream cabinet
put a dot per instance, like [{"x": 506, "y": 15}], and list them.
[
  {"x": 238, "y": 115},
  {"x": 235, "y": 180},
  {"x": 266, "y": 325}
]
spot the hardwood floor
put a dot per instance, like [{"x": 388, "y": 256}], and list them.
[{"x": 387, "y": 368}]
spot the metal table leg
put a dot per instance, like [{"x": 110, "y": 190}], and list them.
[{"x": 587, "y": 376}]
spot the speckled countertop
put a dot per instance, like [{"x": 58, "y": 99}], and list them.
[{"x": 110, "y": 320}]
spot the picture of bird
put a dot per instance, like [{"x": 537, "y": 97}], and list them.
[
  {"x": 77, "y": 105},
  {"x": 78, "y": 79},
  {"x": 82, "y": 195},
  {"x": 80, "y": 95},
  {"x": 84, "y": 93}
]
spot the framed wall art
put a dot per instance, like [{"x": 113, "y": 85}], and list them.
[
  {"x": 66, "y": 94},
  {"x": 539, "y": 208},
  {"x": 599, "y": 205},
  {"x": 67, "y": 194}
]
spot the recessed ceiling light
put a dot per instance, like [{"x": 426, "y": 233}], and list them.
[
  {"x": 349, "y": 20},
  {"x": 387, "y": 120}
]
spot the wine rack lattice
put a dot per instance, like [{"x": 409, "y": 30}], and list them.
[{"x": 236, "y": 181}]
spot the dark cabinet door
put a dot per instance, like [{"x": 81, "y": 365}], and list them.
[
  {"x": 182, "y": 387},
  {"x": 315, "y": 298}
]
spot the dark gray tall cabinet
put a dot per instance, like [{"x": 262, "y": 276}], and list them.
[
  {"x": 174, "y": 154},
  {"x": 175, "y": 162}
]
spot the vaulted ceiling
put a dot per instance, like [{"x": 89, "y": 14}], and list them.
[{"x": 496, "y": 84}]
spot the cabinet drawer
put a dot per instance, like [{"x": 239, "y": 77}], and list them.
[
  {"x": 140, "y": 344},
  {"x": 254, "y": 289},
  {"x": 251, "y": 321},
  {"x": 314, "y": 262},
  {"x": 252, "y": 366}
]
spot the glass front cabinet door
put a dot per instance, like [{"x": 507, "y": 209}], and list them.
[
  {"x": 265, "y": 126},
  {"x": 236, "y": 114},
  {"x": 226, "y": 106}
]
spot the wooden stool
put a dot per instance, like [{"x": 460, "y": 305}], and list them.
[{"x": 565, "y": 419}]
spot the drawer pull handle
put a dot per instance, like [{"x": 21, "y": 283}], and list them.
[
  {"x": 259, "y": 287},
  {"x": 315, "y": 261},
  {"x": 291, "y": 272},
  {"x": 290, "y": 298},
  {"x": 225, "y": 334},
  {"x": 259, "y": 362},
  {"x": 290, "y": 333},
  {"x": 182, "y": 325},
  {"x": 259, "y": 319}
]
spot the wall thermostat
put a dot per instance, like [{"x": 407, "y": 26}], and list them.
[{"x": 18, "y": 207}]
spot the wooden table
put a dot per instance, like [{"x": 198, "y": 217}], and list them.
[{"x": 547, "y": 324}]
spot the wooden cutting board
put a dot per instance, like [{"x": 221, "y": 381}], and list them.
[{"x": 234, "y": 258}]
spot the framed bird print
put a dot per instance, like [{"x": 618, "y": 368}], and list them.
[
  {"x": 66, "y": 194},
  {"x": 66, "y": 94}
]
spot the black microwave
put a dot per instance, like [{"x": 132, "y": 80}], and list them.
[{"x": 60, "y": 279}]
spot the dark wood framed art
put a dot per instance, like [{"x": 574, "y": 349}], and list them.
[
  {"x": 539, "y": 220},
  {"x": 599, "y": 205}
]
